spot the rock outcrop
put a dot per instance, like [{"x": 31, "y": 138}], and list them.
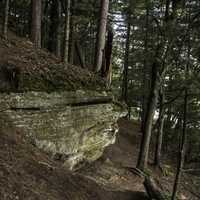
[
  {"x": 63, "y": 109},
  {"x": 73, "y": 126}
]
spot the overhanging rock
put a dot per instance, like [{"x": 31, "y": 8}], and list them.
[{"x": 75, "y": 125}]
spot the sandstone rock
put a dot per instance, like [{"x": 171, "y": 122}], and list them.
[{"x": 76, "y": 125}]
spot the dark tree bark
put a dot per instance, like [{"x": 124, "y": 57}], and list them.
[
  {"x": 182, "y": 149},
  {"x": 36, "y": 22},
  {"x": 106, "y": 70},
  {"x": 145, "y": 71},
  {"x": 54, "y": 42},
  {"x": 161, "y": 119},
  {"x": 79, "y": 54},
  {"x": 5, "y": 20},
  {"x": 101, "y": 35},
  {"x": 151, "y": 107},
  {"x": 181, "y": 158},
  {"x": 67, "y": 31},
  {"x": 58, "y": 28}
]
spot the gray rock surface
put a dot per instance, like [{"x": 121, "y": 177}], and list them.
[{"x": 76, "y": 126}]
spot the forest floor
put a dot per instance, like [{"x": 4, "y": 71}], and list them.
[
  {"x": 115, "y": 168},
  {"x": 27, "y": 173}
]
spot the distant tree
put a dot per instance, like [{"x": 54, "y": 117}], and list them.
[
  {"x": 126, "y": 62},
  {"x": 67, "y": 31},
  {"x": 101, "y": 35},
  {"x": 5, "y": 19},
  {"x": 36, "y": 22}
]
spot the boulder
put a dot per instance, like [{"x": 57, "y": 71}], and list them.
[{"x": 74, "y": 126}]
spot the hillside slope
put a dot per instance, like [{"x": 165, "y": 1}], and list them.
[
  {"x": 29, "y": 174},
  {"x": 23, "y": 68}
]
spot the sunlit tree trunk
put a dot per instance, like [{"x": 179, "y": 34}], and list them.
[
  {"x": 67, "y": 31},
  {"x": 5, "y": 20},
  {"x": 101, "y": 35}
]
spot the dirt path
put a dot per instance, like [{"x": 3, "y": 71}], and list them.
[{"x": 113, "y": 170}]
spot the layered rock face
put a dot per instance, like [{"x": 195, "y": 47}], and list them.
[
  {"x": 75, "y": 125},
  {"x": 57, "y": 106}
]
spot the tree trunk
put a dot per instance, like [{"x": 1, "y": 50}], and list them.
[
  {"x": 54, "y": 41},
  {"x": 101, "y": 35},
  {"x": 36, "y": 22},
  {"x": 182, "y": 148},
  {"x": 58, "y": 28},
  {"x": 145, "y": 71},
  {"x": 72, "y": 33},
  {"x": 181, "y": 158},
  {"x": 67, "y": 31},
  {"x": 79, "y": 54},
  {"x": 161, "y": 119},
  {"x": 151, "y": 107},
  {"x": 126, "y": 63},
  {"x": 5, "y": 19},
  {"x": 106, "y": 70}
]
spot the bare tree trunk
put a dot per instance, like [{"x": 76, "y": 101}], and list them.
[
  {"x": 101, "y": 35},
  {"x": 67, "y": 31},
  {"x": 126, "y": 63},
  {"x": 181, "y": 158},
  {"x": 144, "y": 81},
  {"x": 79, "y": 54},
  {"x": 58, "y": 28},
  {"x": 36, "y": 22},
  {"x": 161, "y": 119},
  {"x": 182, "y": 148},
  {"x": 151, "y": 107},
  {"x": 5, "y": 20}
]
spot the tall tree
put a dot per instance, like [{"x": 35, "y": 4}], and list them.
[
  {"x": 126, "y": 62},
  {"x": 36, "y": 22},
  {"x": 101, "y": 35},
  {"x": 5, "y": 19},
  {"x": 151, "y": 107},
  {"x": 55, "y": 31},
  {"x": 183, "y": 142},
  {"x": 58, "y": 28},
  {"x": 67, "y": 31}
]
